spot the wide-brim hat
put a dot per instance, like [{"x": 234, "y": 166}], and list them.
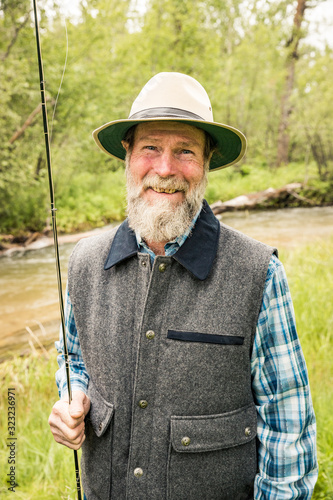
[{"x": 175, "y": 97}]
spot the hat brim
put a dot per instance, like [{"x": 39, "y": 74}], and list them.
[{"x": 230, "y": 142}]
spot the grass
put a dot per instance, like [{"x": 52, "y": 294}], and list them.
[
  {"x": 45, "y": 470},
  {"x": 310, "y": 274}
]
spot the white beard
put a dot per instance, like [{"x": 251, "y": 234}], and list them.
[{"x": 162, "y": 221}]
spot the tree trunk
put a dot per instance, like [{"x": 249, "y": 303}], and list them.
[
  {"x": 286, "y": 107},
  {"x": 320, "y": 156}
]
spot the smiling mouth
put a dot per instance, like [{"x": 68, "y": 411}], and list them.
[{"x": 167, "y": 191}]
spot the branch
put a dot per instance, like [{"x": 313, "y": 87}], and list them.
[
  {"x": 16, "y": 33},
  {"x": 28, "y": 121},
  {"x": 302, "y": 198}
]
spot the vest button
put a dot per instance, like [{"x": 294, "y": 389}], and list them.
[
  {"x": 162, "y": 268},
  {"x": 186, "y": 441},
  {"x": 144, "y": 263},
  {"x": 150, "y": 334},
  {"x": 248, "y": 432},
  {"x": 143, "y": 403},
  {"x": 138, "y": 472}
]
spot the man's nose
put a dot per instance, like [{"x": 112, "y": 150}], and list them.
[{"x": 165, "y": 164}]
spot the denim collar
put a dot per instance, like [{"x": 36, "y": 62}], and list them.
[{"x": 196, "y": 254}]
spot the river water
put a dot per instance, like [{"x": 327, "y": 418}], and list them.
[{"x": 29, "y": 311}]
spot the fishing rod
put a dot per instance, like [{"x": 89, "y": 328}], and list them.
[{"x": 54, "y": 229}]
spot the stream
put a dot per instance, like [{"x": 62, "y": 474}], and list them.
[{"x": 29, "y": 310}]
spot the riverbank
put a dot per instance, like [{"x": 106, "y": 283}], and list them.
[
  {"x": 292, "y": 195},
  {"x": 89, "y": 200},
  {"x": 10, "y": 244}
]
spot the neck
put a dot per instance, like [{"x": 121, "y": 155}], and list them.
[{"x": 157, "y": 247}]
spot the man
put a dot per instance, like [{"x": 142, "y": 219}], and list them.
[{"x": 187, "y": 374}]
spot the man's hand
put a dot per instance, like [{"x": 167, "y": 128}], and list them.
[{"x": 67, "y": 420}]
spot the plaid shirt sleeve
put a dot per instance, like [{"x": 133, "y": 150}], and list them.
[
  {"x": 287, "y": 462},
  {"x": 78, "y": 374}
]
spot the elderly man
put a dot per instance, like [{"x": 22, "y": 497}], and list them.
[{"x": 187, "y": 373}]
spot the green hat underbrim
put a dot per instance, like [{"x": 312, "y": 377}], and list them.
[{"x": 230, "y": 142}]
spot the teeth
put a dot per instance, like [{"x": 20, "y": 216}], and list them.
[{"x": 168, "y": 191}]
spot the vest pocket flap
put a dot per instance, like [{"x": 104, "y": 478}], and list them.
[
  {"x": 214, "y": 432},
  {"x": 205, "y": 337},
  {"x": 101, "y": 411}
]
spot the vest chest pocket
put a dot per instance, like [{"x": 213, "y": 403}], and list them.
[
  {"x": 205, "y": 337},
  {"x": 213, "y": 456}
]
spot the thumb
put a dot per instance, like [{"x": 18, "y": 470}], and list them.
[{"x": 76, "y": 407}]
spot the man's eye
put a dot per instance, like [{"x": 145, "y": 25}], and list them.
[
  {"x": 187, "y": 152},
  {"x": 150, "y": 148}
]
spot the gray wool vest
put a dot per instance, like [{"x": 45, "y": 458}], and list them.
[{"x": 168, "y": 353}]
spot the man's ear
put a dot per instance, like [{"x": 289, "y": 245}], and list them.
[{"x": 125, "y": 145}]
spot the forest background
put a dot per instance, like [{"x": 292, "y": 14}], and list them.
[
  {"x": 264, "y": 75},
  {"x": 261, "y": 71}
]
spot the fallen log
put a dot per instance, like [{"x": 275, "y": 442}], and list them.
[{"x": 260, "y": 198}]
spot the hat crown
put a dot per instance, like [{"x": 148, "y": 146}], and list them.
[{"x": 174, "y": 91}]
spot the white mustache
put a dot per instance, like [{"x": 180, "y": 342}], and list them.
[{"x": 165, "y": 183}]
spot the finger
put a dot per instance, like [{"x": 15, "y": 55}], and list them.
[
  {"x": 61, "y": 413},
  {"x": 70, "y": 437},
  {"x": 80, "y": 405},
  {"x": 74, "y": 445},
  {"x": 63, "y": 424},
  {"x": 63, "y": 433},
  {"x": 86, "y": 405}
]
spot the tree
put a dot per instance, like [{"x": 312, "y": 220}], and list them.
[
  {"x": 292, "y": 46},
  {"x": 312, "y": 123}
]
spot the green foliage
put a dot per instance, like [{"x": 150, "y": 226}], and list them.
[
  {"x": 90, "y": 200},
  {"x": 231, "y": 182},
  {"x": 236, "y": 50}
]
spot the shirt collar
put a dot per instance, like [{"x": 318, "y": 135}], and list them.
[{"x": 196, "y": 254}]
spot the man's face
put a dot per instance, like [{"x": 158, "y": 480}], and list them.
[
  {"x": 167, "y": 150},
  {"x": 166, "y": 179}
]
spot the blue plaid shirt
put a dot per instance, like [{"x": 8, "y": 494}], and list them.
[{"x": 286, "y": 428}]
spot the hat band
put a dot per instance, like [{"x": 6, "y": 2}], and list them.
[{"x": 164, "y": 112}]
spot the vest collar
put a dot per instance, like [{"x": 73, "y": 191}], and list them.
[{"x": 196, "y": 254}]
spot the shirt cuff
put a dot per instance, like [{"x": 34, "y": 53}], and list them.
[{"x": 76, "y": 385}]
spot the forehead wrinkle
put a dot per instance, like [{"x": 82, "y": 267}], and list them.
[{"x": 183, "y": 141}]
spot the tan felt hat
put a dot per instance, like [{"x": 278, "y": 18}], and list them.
[{"x": 174, "y": 97}]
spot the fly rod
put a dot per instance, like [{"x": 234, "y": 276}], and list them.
[{"x": 54, "y": 229}]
